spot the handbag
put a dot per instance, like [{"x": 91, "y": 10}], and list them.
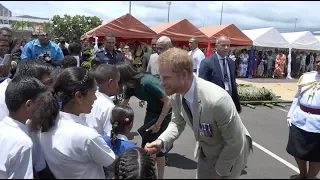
[{"x": 142, "y": 130}]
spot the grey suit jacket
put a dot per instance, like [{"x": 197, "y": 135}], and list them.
[{"x": 214, "y": 106}]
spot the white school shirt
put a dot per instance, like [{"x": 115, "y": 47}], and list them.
[
  {"x": 74, "y": 151},
  {"x": 100, "y": 115},
  {"x": 197, "y": 56},
  {"x": 37, "y": 155},
  {"x": 16, "y": 150},
  {"x": 3, "y": 107},
  {"x": 39, "y": 162}
]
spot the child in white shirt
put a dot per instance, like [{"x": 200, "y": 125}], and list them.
[{"x": 16, "y": 145}]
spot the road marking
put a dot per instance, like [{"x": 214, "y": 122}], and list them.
[
  {"x": 282, "y": 110},
  {"x": 276, "y": 157}
]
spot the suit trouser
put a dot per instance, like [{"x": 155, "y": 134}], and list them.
[
  {"x": 309, "y": 68},
  {"x": 205, "y": 168}
]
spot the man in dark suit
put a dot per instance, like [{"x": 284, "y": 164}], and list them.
[{"x": 220, "y": 69}]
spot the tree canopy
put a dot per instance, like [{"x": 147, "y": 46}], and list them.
[{"x": 71, "y": 27}]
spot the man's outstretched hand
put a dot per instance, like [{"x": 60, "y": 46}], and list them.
[{"x": 154, "y": 146}]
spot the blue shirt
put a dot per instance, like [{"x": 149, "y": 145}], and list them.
[
  {"x": 122, "y": 144},
  {"x": 33, "y": 49}
]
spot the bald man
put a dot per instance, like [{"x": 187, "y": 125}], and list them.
[
  {"x": 196, "y": 54},
  {"x": 220, "y": 70},
  {"x": 160, "y": 45}
]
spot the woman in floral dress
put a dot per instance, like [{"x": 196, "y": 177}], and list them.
[
  {"x": 280, "y": 63},
  {"x": 243, "y": 66}
]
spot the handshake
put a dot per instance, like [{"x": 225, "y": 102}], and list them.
[{"x": 153, "y": 147}]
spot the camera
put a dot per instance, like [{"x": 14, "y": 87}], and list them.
[{"x": 46, "y": 57}]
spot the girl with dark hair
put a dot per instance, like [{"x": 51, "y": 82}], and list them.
[
  {"x": 121, "y": 121},
  {"x": 148, "y": 88},
  {"x": 135, "y": 163},
  {"x": 71, "y": 149}
]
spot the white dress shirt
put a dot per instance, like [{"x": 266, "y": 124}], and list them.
[
  {"x": 100, "y": 115},
  {"x": 74, "y": 151},
  {"x": 16, "y": 150},
  {"x": 228, "y": 71},
  {"x": 78, "y": 60},
  {"x": 66, "y": 45},
  {"x": 153, "y": 66},
  {"x": 3, "y": 106},
  {"x": 197, "y": 56},
  {"x": 189, "y": 96}
]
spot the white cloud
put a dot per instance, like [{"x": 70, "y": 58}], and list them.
[{"x": 245, "y": 15}]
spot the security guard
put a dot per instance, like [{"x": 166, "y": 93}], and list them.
[{"x": 109, "y": 55}]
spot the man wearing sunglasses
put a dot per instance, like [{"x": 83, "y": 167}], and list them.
[{"x": 44, "y": 49}]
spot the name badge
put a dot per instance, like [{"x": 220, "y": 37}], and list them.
[{"x": 226, "y": 86}]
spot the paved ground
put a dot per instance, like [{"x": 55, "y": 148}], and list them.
[{"x": 267, "y": 127}]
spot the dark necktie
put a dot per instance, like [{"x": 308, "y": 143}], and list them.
[
  {"x": 187, "y": 109},
  {"x": 225, "y": 73}
]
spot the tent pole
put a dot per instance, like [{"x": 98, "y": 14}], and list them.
[
  {"x": 129, "y": 7},
  {"x": 169, "y": 3}
]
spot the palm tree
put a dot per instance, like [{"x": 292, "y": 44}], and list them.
[{"x": 21, "y": 25}]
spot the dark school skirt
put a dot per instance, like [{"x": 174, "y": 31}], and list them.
[
  {"x": 304, "y": 145},
  {"x": 150, "y": 137}
]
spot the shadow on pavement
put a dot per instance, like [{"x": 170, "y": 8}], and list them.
[
  {"x": 179, "y": 161},
  {"x": 131, "y": 135}
]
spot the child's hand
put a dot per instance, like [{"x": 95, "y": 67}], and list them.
[{"x": 151, "y": 150}]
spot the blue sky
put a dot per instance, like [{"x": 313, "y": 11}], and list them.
[{"x": 245, "y": 15}]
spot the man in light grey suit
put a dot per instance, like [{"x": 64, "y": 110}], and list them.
[{"x": 223, "y": 142}]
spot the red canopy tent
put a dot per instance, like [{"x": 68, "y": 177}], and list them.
[
  {"x": 125, "y": 28},
  {"x": 179, "y": 32},
  {"x": 237, "y": 37}
]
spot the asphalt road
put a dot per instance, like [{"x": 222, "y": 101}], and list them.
[{"x": 268, "y": 129}]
